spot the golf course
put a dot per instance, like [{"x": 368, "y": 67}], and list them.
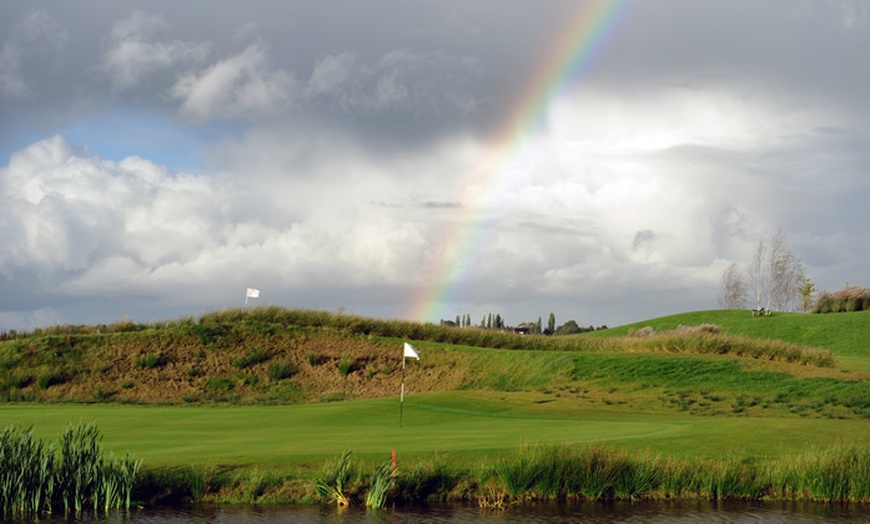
[{"x": 258, "y": 405}]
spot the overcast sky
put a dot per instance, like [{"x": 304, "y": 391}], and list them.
[{"x": 158, "y": 158}]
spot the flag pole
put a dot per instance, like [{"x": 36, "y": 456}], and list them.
[
  {"x": 407, "y": 351},
  {"x": 402, "y": 397}
]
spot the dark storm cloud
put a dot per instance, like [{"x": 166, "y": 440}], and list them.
[{"x": 335, "y": 144}]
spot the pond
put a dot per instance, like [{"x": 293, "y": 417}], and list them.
[{"x": 549, "y": 513}]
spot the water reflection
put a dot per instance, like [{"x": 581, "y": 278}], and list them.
[{"x": 657, "y": 512}]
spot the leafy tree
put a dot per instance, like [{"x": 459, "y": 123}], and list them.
[
  {"x": 569, "y": 328},
  {"x": 808, "y": 294},
  {"x": 551, "y": 324}
]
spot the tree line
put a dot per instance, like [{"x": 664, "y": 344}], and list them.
[{"x": 497, "y": 322}]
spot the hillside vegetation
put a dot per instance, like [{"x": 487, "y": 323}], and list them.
[
  {"x": 273, "y": 355},
  {"x": 847, "y": 334}
]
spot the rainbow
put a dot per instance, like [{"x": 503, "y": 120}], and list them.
[{"x": 571, "y": 55}]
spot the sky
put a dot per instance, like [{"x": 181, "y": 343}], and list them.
[{"x": 601, "y": 160}]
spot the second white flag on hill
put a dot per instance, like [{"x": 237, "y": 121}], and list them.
[{"x": 411, "y": 352}]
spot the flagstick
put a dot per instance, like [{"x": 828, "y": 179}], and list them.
[{"x": 402, "y": 397}]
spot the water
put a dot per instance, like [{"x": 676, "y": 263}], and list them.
[{"x": 654, "y": 512}]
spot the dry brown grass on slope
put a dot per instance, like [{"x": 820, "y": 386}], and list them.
[{"x": 149, "y": 369}]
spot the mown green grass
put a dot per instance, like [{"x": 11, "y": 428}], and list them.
[{"x": 459, "y": 426}]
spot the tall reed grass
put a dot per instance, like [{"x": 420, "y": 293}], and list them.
[
  {"x": 598, "y": 473},
  {"x": 36, "y": 477},
  {"x": 843, "y": 301},
  {"x": 333, "y": 481}
]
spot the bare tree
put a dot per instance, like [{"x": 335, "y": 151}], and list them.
[
  {"x": 732, "y": 291},
  {"x": 785, "y": 274},
  {"x": 756, "y": 271},
  {"x": 775, "y": 262}
]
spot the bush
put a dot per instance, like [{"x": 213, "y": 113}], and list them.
[
  {"x": 281, "y": 371},
  {"x": 843, "y": 301},
  {"x": 345, "y": 366},
  {"x": 642, "y": 332},
  {"x": 51, "y": 378},
  {"x": 151, "y": 361},
  {"x": 253, "y": 357}
]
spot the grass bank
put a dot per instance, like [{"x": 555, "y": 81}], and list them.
[{"x": 844, "y": 334}]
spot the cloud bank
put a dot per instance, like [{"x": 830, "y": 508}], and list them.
[{"x": 336, "y": 158}]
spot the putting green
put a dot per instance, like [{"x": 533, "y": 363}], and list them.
[{"x": 457, "y": 426}]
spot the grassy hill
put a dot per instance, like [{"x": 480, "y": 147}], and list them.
[
  {"x": 246, "y": 392},
  {"x": 847, "y": 335},
  {"x": 277, "y": 356}
]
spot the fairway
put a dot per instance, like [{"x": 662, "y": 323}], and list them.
[{"x": 455, "y": 426}]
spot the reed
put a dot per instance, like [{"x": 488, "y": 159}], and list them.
[
  {"x": 520, "y": 473},
  {"x": 36, "y": 477},
  {"x": 381, "y": 482},
  {"x": 332, "y": 482},
  {"x": 636, "y": 479},
  {"x": 596, "y": 473},
  {"x": 25, "y": 473},
  {"x": 592, "y": 472}
]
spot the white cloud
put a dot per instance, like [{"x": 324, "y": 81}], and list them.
[
  {"x": 245, "y": 85},
  {"x": 93, "y": 227},
  {"x": 330, "y": 72},
  {"x": 132, "y": 56}
]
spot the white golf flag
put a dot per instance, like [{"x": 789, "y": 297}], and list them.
[
  {"x": 411, "y": 352},
  {"x": 252, "y": 293}
]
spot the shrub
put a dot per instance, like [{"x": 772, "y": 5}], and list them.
[
  {"x": 218, "y": 386},
  {"x": 345, "y": 366},
  {"x": 151, "y": 361},
  {"x": 253, "y": 357},
  {"x": 700, "y": 328},
  {"x": 642, "y": 332},
  {"x": 281, "y": 371},
  {"x": 15, "y": 380},
  {"x": 843, "y": 301},
  {"x": 50, "y": 378}
]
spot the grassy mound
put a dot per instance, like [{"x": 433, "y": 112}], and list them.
[
  {"x": 844, "y": 334},
  {"x": 278, "y": 356},
  {"x": 250, "y": 396}
]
